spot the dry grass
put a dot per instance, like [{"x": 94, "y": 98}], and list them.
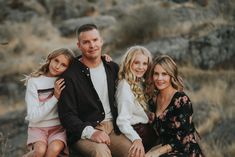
[
  {"x": 212, "y": 94},
  {"x": 3, "y": 145},
  {"x": 231, "y": 149},
  {"x": 212, "y": 151},
  {"x": 31, "y": 42},
  {"x": 5, "y": 107}
]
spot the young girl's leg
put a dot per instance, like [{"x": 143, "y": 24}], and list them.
[
  {"x": 54, "y": 148},
  {"x": 39, "y": 150},
  {"x": 57, "y": 145},
  {"x": 37, "y": 142}
]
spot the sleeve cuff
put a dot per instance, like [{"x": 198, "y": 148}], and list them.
[
  {"x": 134, "y": 137},
  {"x": 87, "y": 132}
]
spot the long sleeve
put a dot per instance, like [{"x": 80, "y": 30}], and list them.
[
  {"x": 129, "y": 111},
  {"x": 38, "y": 111},
  {"x": 181, "y": 121}
]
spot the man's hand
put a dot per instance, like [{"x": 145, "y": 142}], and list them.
[
  {"x": 100, "y": 137},
  {"x": 137, "y": 149}
]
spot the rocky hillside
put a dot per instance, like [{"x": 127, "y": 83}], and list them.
[{"x": 198, "y": 34}]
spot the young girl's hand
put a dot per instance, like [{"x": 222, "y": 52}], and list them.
[
  {"x": 59, "y": 86},
  {"x": 137, "y": 149}
]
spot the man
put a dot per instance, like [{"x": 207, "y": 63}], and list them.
[{"x": 86, "y": 106}]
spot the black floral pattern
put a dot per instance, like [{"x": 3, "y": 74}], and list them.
[{"x": 174, "y": 126}]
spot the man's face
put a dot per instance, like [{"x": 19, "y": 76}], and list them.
[{"x": 90, "y": 43}]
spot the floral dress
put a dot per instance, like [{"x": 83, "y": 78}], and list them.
[{"x": 175, "y": 128}]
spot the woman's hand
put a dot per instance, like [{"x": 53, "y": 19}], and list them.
[
  {"x": 59, "y": 86},
  {"x": 158, "y": 150},
  {"x": 149, "y": 154},
  {"x": 151, "y": 117},
  {"x": 137, "y": 149}
]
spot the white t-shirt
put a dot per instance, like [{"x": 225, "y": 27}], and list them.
[{"x": 99, "y": 80}]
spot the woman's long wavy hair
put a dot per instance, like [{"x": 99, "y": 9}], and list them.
[
  {"x": 44, "y": 67},
  {"x": 125, "y": 72},
  {"x": 168, "y": 64}
]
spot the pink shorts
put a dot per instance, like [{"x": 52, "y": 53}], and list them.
[{"x": 47, "y": 135}]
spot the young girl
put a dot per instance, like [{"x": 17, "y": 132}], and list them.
[
  {"x": 131, "y": 101},
  {"x": 46, "y": 136},
  {"x": 173, "y": 110}
]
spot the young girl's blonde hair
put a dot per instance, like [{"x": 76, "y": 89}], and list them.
[
  {"x": 44, "y": 68},
  {"x": 126, "y": 73}
]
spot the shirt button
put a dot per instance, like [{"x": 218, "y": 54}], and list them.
[
  {"x": 102, "y": 113},
  {"x": 97, "y": 121}
]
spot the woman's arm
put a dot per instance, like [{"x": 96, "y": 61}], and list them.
[
  {"x": 159, "y": 151},
  {"x": 181, "y": 121}
]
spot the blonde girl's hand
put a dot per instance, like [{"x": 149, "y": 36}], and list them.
[
  {"x": 59, "y": 86},
  {"x": 137, "y": 149},
  {"x": 107, "y": 58}
]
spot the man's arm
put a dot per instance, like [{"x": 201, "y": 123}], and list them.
[{"x": 68, "y": 110}]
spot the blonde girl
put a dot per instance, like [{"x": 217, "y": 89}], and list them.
[{"x": 131, "y": 100}]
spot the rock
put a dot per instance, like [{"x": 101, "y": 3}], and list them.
[
  {"x": 213, "y": 50},
  {"x": 68, "y": 27}
]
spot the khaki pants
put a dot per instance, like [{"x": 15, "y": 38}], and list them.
[{"x": 119, "y": 147}]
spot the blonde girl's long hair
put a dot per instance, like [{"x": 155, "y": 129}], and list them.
[
  {"x": 44, "y": 67},
  {"x": 125, "y": 73},
  {"x": 168, "y": 64}
]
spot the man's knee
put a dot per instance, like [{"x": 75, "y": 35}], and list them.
[
  {"x": 92, "y": 149},
  {"x": 120, "y": 145},
  {"x": 101, "y": 150}
]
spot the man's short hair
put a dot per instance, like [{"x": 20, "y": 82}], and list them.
[{"x": 84, "y": 28}]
